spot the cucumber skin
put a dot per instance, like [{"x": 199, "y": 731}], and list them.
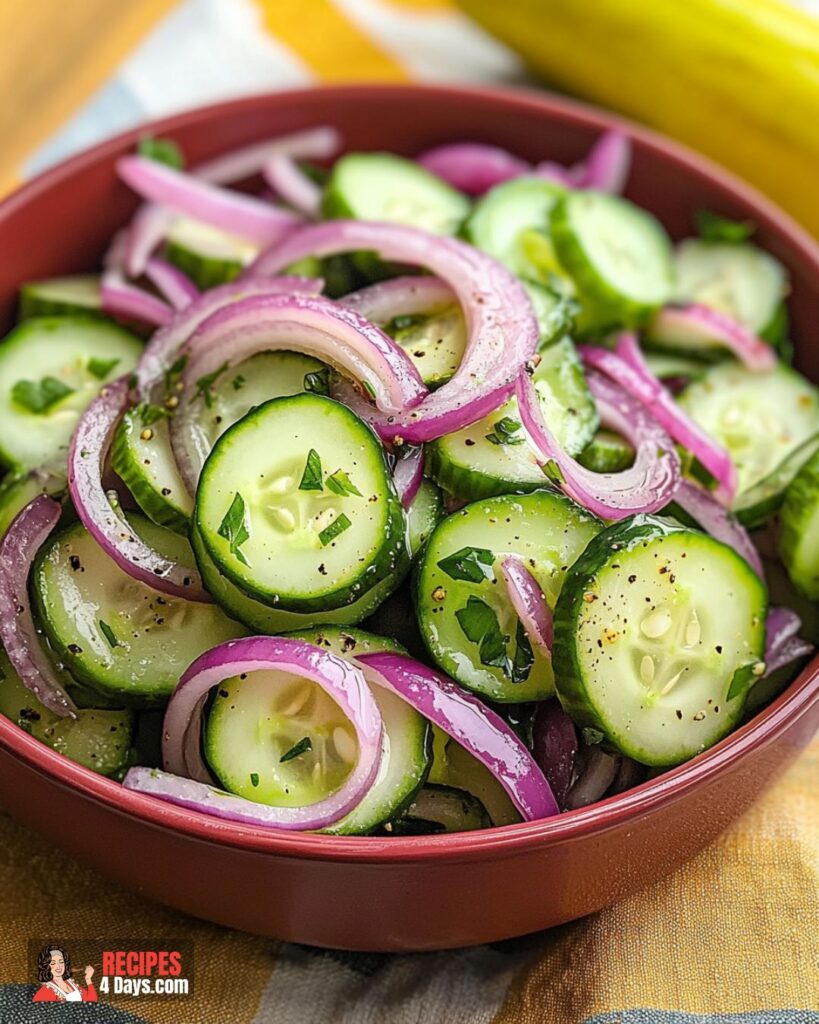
[
  {"x": 33, "y": 305},
  {"x": 569, "y": 679},
  {"x": 761, "y": 502},
  {"x": 606, "y": 455},
  {"x": 471, "y": 484},
  {"x": 610, "y": 305},
  {"x": 798, "y": 520},
  {"x": 206, "y": 272}
]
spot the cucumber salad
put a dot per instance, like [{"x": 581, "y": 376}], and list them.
[{"x": 386, "y": 496}]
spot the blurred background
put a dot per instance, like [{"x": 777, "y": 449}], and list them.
[{"x": 736, "y": 79}]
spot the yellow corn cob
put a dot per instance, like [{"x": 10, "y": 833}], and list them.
[{"x": 736, "y": 79}]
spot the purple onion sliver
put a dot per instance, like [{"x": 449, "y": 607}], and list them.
[
  {"x": 290, "y": 184},
  {"x": 596, "y": 775},
  {"x": 19, "y": 636},
  {"x": 175, "y": 285},
  {"x": 469, "y": 722},
  {"x": 608, "y": 163},
  {"x": 713, "y": 326},
  {"x": 718, "y": 522},
  {"x": 529, "y": 603},
  {"x": 129, "y": 302},
  {"x": 400, "y": 296},
  {"x": 145, "y": 234},
  {"x": 554, "y": 747},
  {"x": 473, "y": 167},
  {"x": 408, "y": 474},
  {"x": 783, "y": 645},
  {"x": 311, "y": 144}
]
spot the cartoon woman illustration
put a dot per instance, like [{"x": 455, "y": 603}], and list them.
[{"x": 54, "y": 971}]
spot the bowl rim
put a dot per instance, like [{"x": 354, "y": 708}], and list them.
[{"x": 762, "y": 729}]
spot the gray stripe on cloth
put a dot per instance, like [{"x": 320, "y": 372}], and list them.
[
  {"x": 673, "y": 1017},
  {"x": 16, "y": 1007}
]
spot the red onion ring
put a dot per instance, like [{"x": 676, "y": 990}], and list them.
[
  {"x": 235, "y": 212},
  {"x": 568, "y": 177},
  {"x": 529, "y": 603},
  {"x": 473, "y": 167},
  {"x": 783, "y": 646},
  {"x": 407, "y": 475},
  {"x": 292, "y": 185},
  {"x": 595, "y": 777},
  {"x": 607, "y": 164},
  {"x": 400, "y": 296},
  {"x": 121, "y": 299},
  {"x": 311, "y": 144},
  {"x": 718, "y": 522},
  {"x": 554, "y": 747},
  {"x": 19, "y": 635},
  {"x": 86, "y": 461},
  {"x": 342, "y": 681},
  {"x": 710, "y": 325},
  {"x": 646, "y": 486},
  {"x": 626, "y": 367},
  {"x": 469, "y": 722},
  {"x": 147, "y": 231},
  {"x": 176, "y": 286},
  {"x": 502, "y": 331}
]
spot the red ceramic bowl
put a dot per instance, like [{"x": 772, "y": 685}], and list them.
[{"x": 403, "y": 893}]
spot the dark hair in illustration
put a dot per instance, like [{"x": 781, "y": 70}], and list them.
[{"x": 44, "y": 962}]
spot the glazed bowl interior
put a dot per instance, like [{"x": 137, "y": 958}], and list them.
[{"x": 62, "y": 222}]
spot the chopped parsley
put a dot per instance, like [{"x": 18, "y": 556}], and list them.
[
  {"x": 713, "y": 228},
  {"x": 163, "y": 151},
  {"x": 741, "y": 680},
  {"x": 109, "y": 634},
  {"x": 254, "y": 779},
  {"x": 100, "y": 368},
  {"x": 471, "y": 564},
  {"x": 238, "y": 382},
  {"x": 507, "y": 431},
  {"x": 149, "y": 413},
  {"x": 480, "y": 625},
  {"x": 553, "y": 472},
  {"x": 304, "y": 744},
  {"x": 524, "y": 658},
  {"x": 340, "y": 483},
  {"x": 318, "y": 382},
  {"x": 204, "y": 386},
  {"x": 40, "y": 396},
  {"x": 234, "y": 527},
  {"x": 338, "y": 525},
  {"x": 312, "y": 475},
  {"x": 174, "y": 371}
]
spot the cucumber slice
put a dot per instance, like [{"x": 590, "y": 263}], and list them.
[
  {"x": 755, "y": 506},
  {"x": 296, "y": 506},
  {"x": 466, "y": 595},
  {"x": 504, "y": 219},
  {"x": 666, "y": 365},
  {"x": 208, "y": 256},
  {"x": 115, "y": 635},
  {"x": 99, "y": 740},
  {"x": 799, "y": 529},
  {"x": 617, "y": 254},
  {"x": 437, "y": 809},
  {"x": 423, "y": 515},
  {"x": 386, "y": 187},
  {"x": 738, "y": 279},
  {"x": 62, "y": 296},
  {"x": 455, "y": 767},
  {"x": 492, "y": 456},
  {"x": 606, "y": 453},
  {"x": 659, "y": 634},
  {"x": 435, "y": 343},
  {"x": 51, "y": 369},
  {"x": 142, "y": 457},
  {"x": 18, "y": 489},
  {"x": 761, "y": 419},
  {"x": 407, "y": 748}
]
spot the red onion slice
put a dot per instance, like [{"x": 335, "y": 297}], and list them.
[
  {"x": 646, "y": 486},
  {"x": 86, "y": 462},
  {"x": 676, "y": 325},
  {"x": 177, "y": 287},
  {"x": 235, "y": 212},
  {"x": 627, "y": 367},
  {"x": 292, "y": 185},
  {"x": 554, "y": 747},
  {"x": 502, "y": 331},
  {"x": 568, "y": 177},
  {"x": 408, "y": 474},
  {"x": 400, "y": 296},
  {"x": 596, "y": 775},
  {"x": 718, "y": 522},
  {"x": 311, "y": 144},
  {"x": 529, "y": 603},
  {"x": 473, "y": 167},
  {"x": 21, "y": 641},
  {"x": 121, "y": 299},
  {"x": 783, "y": 646},
  {"x": 469, "y": 722},
  {"x": 608, "y": 163},
  {"x": 342, "y": 681},
  {"x": 145, "y": 234}
]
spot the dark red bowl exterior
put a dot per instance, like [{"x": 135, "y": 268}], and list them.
[{"x": 404, "y": 893}]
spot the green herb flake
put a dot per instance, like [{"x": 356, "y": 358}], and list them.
[
  {"x": 741, "y": 680},
  {"x": 109, "y": 634},
  {"x": 254, "y": 779},
  {"x": 714, "y": 228},
  {"x": 174, "y": 371},
  {"x": 340, "y": 483},
  {"x": 312, "y": 475},
  {"x": 162, "y": 151},
  {"x": 404, "y": 322},
  {"x": 204, "y": 386},
  {"x": 592, "y": 737},
  {"x": 149, "y": 413},
  {"x": 338, "y": 525},
  {"x": 318, "y": 383},
  {"x": 100, "y": 368},
  {"x": 507, "y": 431},
  {"x": 238, "y": 382},
  {"x": 524, "y": 657},
  {"x": 471, "y": 564},
  {"x": 39, "y": 396},
  {"x": 234, "y": 527},
  {"x": 480, "y": 625},
  {"x": 553, "y": 472},
  {"x": 304, "y": 744}
]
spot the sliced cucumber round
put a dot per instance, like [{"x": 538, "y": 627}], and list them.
[
  {"x": 666, "y": 365},
  {"x": 453, "y": 766},
  {"x": 208, "y": 256},
  {"x": 114, "y": 634},
  {"x": 464, "y": 612},
  {"x": 423, "y": 515},
  {"x": 659, "y": 634},
  {"x": 761, "y": 419},
  {"x": 799, "y": 529},
  {"x": 62, "y": 296},
  {"x": 18, "y": 489},
  {"x": 435, "y": 342},
  {"x": 755, "y": 506},
  {"x": 606, "y": 453},
  {"x": 99, "y": 740},
  {"x": 297, "y": 507},
  {"x": 618, "y": 255},
  {"x": 51, "y": 369},
  {"x": 407, "y": 747},
  {"x": 437, "y": 809},
  {"x": 493, "y": 456},
  {"x": 386, "y": 187}
]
